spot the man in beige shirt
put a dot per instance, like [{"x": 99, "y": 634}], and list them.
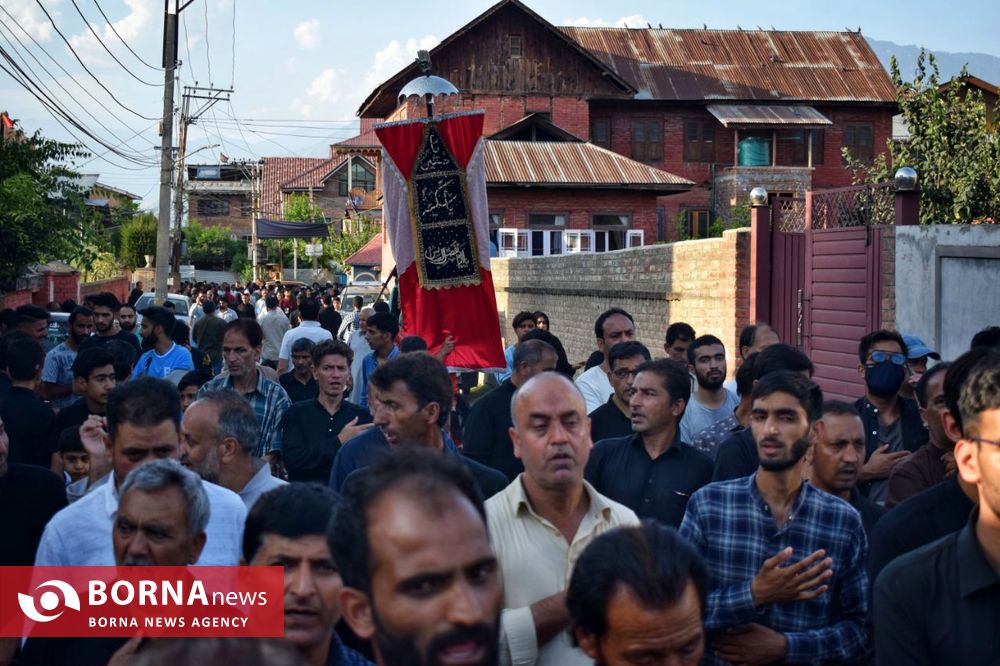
[{"x": 544, "y": 519}]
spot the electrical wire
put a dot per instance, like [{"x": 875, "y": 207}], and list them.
[
  {"x": 87, "y": 69},
  {"x": 208, "y": 50},
  {"x": 9, "y": 34},
  {"x": 112, "y": 26},
  {"x": 58, "y": 115},
  {"x": 105, "y": 46},
  {"x": 232, "y": 75}
]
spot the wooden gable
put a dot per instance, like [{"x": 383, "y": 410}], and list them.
[{"x": 508, "y": 50}]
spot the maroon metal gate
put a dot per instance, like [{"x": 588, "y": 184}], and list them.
[
  {"x": 787, "y": 282},
  {"x": 842, "y": 297}
]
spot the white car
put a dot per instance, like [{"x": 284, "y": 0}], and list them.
[{"x": 181, "y": 303}]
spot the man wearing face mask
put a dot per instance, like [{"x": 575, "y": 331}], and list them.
[{"x": 893, "y": 427}]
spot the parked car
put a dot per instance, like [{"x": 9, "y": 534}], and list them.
[
  {"x": 368, "y": 291},
  {"x": 58, "y": 329},
  {"x": 182, "y": 306}
]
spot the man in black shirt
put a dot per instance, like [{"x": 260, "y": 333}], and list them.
[
  {"x": 29, "y": 420},
  {"x": 105, "y": 309},
  {"x": 836, "y": 456},
  {"x": 329, "y": 317},
  {"x": 93, "y": 380},
  {"x": 614, "y": 418},
  {"x": 652, "y": 472},
  {"x": 486, "y": 436},
  {"x": 737, "y": 456},
  {"x": 299, "y": 382},
  {"x": 30, "y": 496},
  {"x": 314, "y": 430},
  {"x": 941, "y": 603}
]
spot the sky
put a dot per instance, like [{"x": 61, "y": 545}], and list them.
[{"x": 299, "y": 69}]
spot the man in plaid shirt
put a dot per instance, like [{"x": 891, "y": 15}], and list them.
[
  {"x": 241, "y": 348},
  {"x": 787, "y": 560}
]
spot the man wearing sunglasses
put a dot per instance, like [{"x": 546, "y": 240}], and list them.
[{"x": 893, "y": 427}]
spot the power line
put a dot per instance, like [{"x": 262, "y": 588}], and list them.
[
  {"x": 105, "y": 46},
  {"x": 59, "y": 65},
  {"x": 232, "y": 75},
  {"x": 208, "y": 50},
  {"x": 112, "y": 26},
  {"x": 58, "y": 113},
  {"x": 8, "y": 33},
  {"x": 87, "y": 69},
  {"x": 187, "y": 48}
]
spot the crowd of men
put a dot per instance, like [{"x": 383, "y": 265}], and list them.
[{"x": 634, "y": 508}]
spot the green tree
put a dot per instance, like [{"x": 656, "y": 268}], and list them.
[
  {"x": 138, "y": 238},
  {"x": 956, "y": 158},
  {"x": 43, "y": 215},
  {"x": 341, "y": 246}
]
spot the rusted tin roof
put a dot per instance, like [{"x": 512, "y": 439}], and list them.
[
  {"x": 744, "y": 65},
  {"x": 571, "y": 164},
  {"x": 754, "y": 115}
]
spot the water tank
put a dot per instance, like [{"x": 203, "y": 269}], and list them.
[{"x": 755, "y": 151}]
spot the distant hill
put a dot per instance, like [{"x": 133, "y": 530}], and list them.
[{"x": 982, "y": 65}]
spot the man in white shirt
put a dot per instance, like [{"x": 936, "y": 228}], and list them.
[
  {"x": 218, "y": 436},
  {"x": 613, "y": 326},
  {"x": 309, "y": 328},
  {"x": 358, "y": 342},
  {"x": 143, "y": 425},
  {"x": 711, "y": 401},
  {"x": 275, "y": 324},
  {"x": 544, "y": 519}
]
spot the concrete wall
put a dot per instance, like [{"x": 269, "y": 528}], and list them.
[
  {"x": 947, "y": 283},
  {"x": 703, "y": 282}
]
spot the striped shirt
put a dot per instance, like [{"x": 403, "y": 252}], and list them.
[
  {"x": 730, "y": 524},
  {"x": 269, "y": 402}
]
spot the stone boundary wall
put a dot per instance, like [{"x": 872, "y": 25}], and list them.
[{"x": 705, "y": 283}]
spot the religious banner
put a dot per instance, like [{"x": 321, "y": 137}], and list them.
[{"x": 437, "y": 221}]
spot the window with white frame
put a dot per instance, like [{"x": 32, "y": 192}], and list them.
[
  {"x": 609, "y": 231},
  {"x": 514, "y": 242},
  {"x": 546, "y": 233}
]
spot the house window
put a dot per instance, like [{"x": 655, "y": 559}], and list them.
[
  {"x": 600, "y": 132},
  {"x": 245, "y": 208},
  {"x": 213, "y": 208},
  {"x": 496, "y": 222},
  {"x": 546, "y": 233},
  {"x": 859, "y": 140},
  {"x": 800, "y": 147},
  {"x": 514, "y": 44},
  {"x": 696, "y": 223},
  {"x": 699, "y": 141},
  {"x": 647, "y": 140},
  {"x": 609, "y": 231},
  {"x": 360, "y": 177}
]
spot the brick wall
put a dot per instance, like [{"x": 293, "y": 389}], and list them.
[
  {"x": 570, "y": 113},
  {"x": 703, "y": 282},
  {"x": 119, "y": 286}
]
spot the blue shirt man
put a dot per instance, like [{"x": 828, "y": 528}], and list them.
[
  {"x": 788, "y": 561},
  {"x": 165, "y": 357}
]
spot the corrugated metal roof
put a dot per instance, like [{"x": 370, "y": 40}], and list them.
[
  {"x": 741, "y": 64},
  {"x": 743, "y": 115},
  {"x": 564, "y": 164},
  {"x": 361, "y": 141},
  {"x": 274, "y": 173},
  {"x": 369, "y": 255}
]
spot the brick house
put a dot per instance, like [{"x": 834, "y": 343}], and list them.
[{"x": 724, "y": 109}]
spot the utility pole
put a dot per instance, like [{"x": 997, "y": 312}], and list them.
[
  {"x": 211, "y": 96},
  {"x": 170, "y": 26}
]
